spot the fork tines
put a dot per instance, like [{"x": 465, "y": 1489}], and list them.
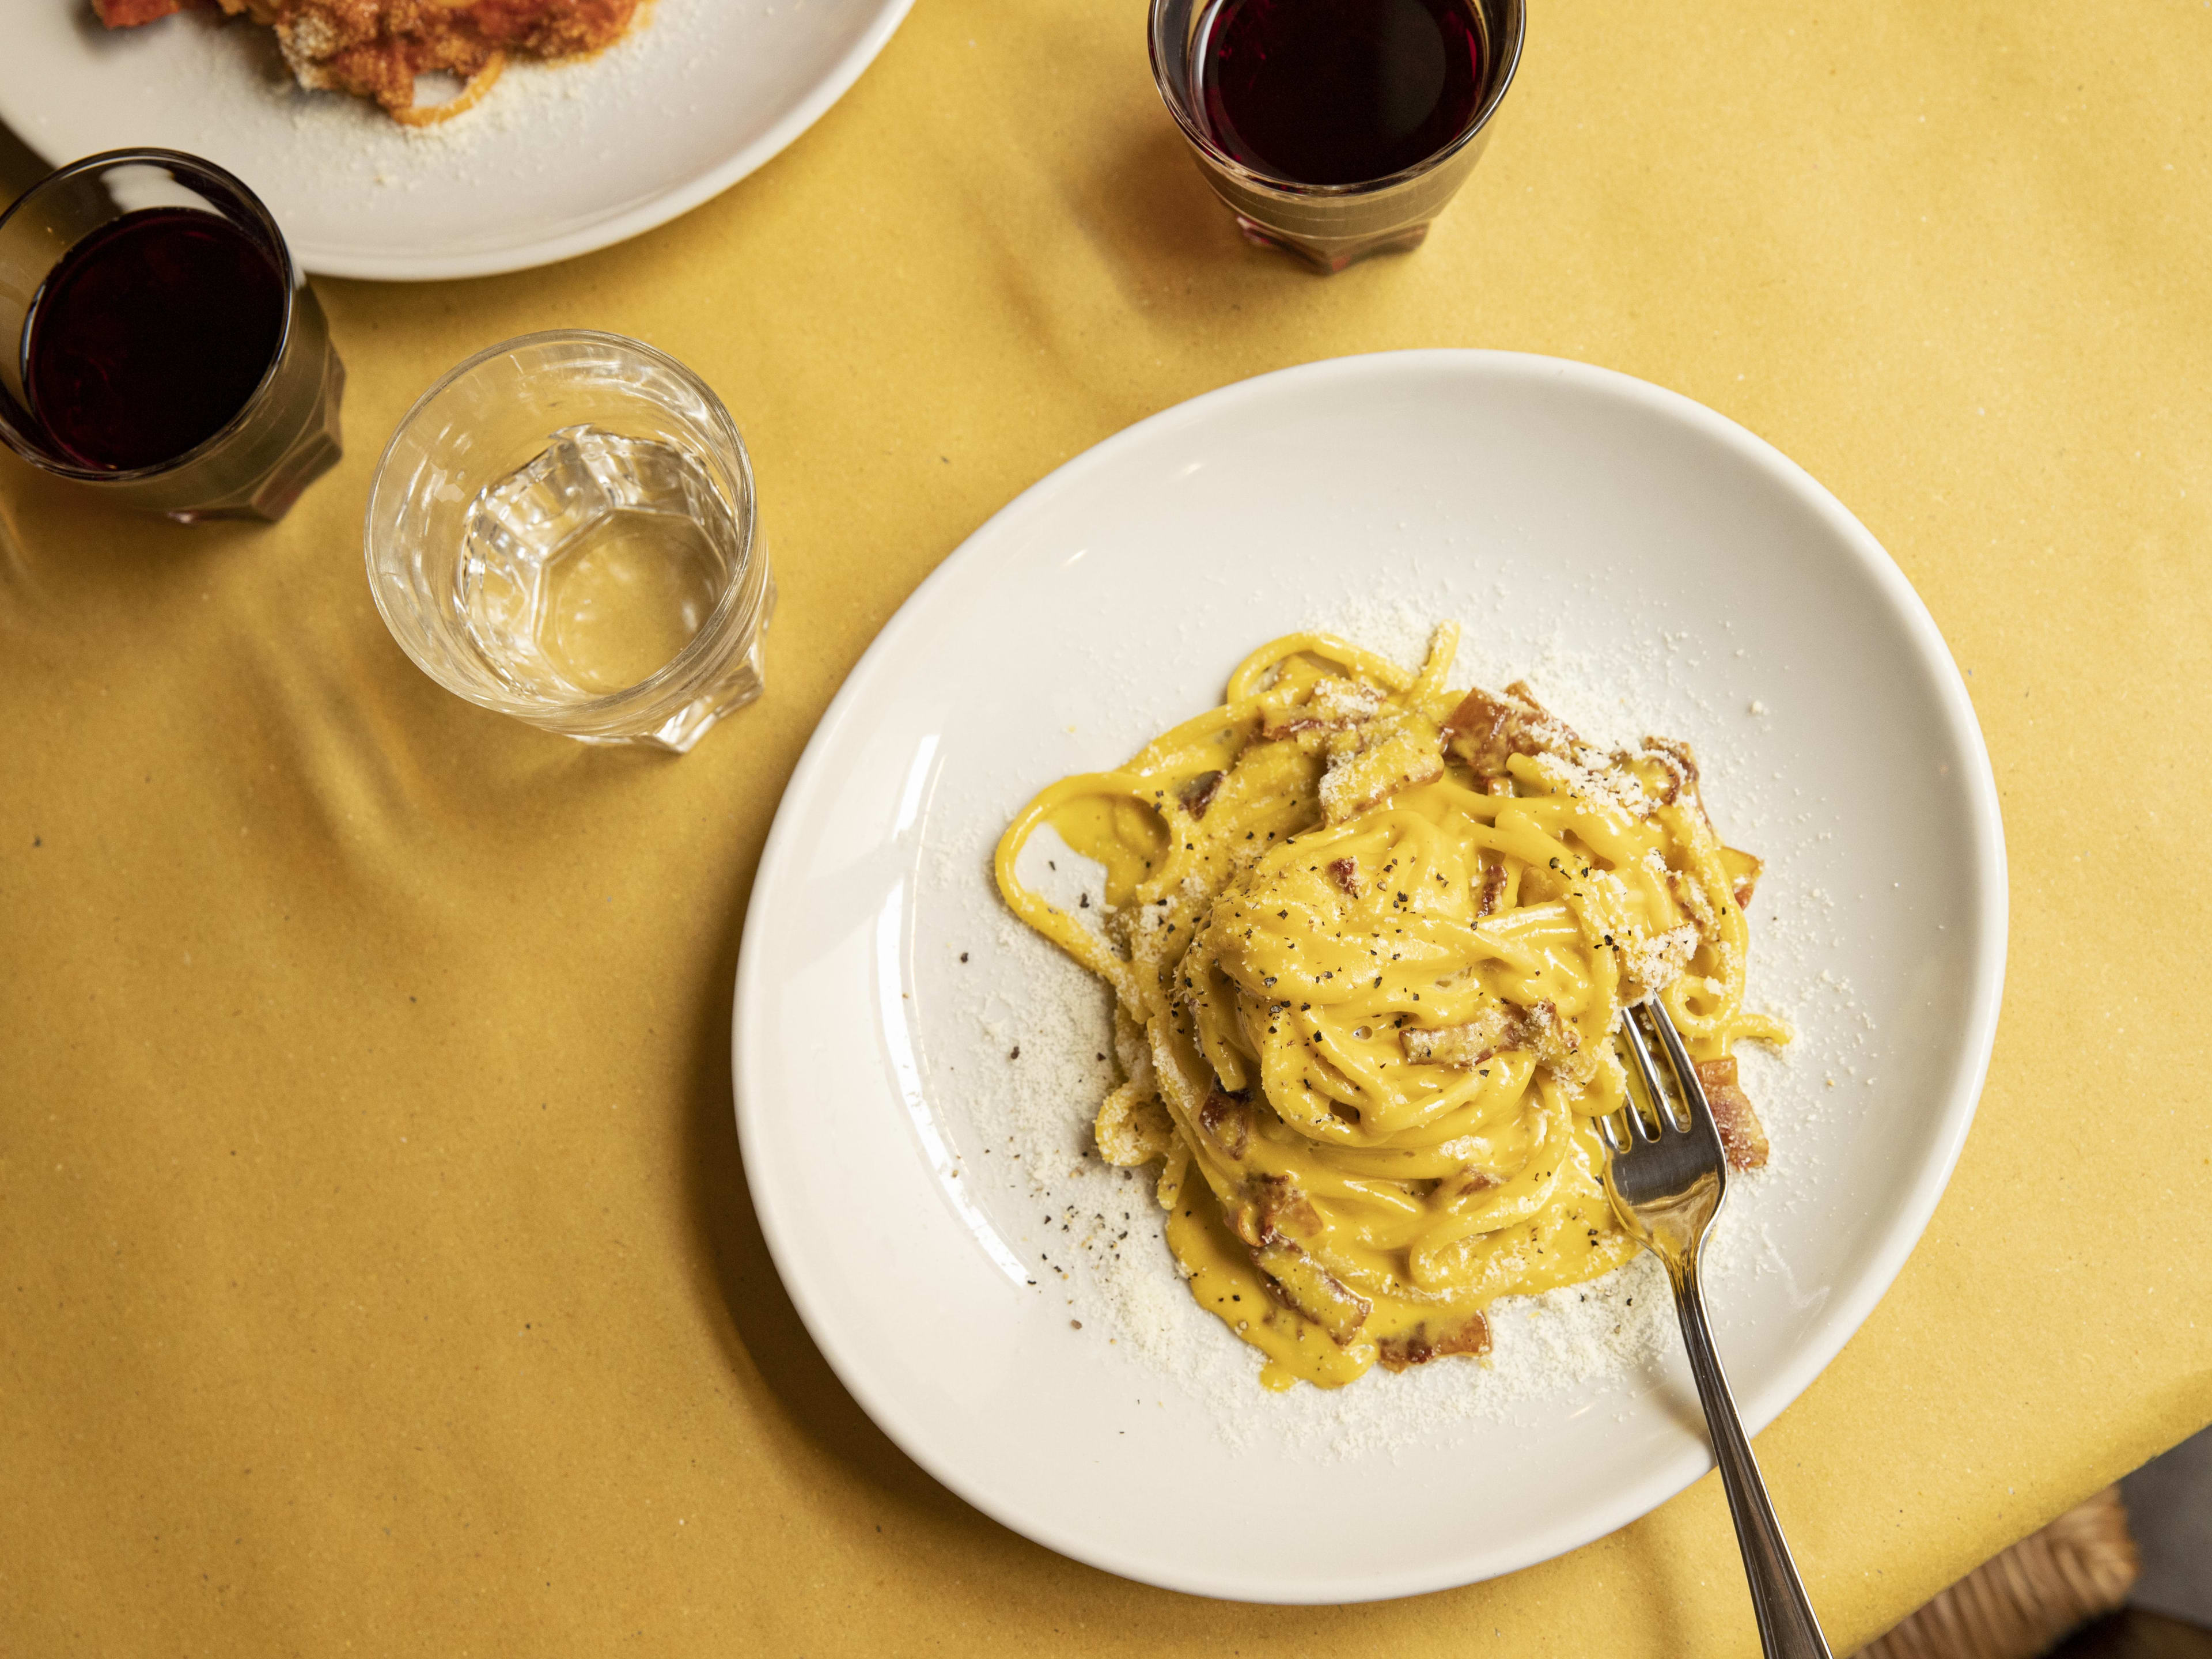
[{"x": 1683, "y": 1108}]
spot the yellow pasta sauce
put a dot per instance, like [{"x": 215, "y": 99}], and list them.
[{"x": 1369, "y": 940}]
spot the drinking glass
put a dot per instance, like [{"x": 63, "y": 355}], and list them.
[
  {"x": 1330, "y": 226},
  {"x": 283, "y": 437},
  {"x": 564, "y": 529}
]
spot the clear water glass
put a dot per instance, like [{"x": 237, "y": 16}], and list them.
[{"x": 564, "y": 530}]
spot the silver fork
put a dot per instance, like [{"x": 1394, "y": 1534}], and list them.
[{"x": 1667, "y": 1178}]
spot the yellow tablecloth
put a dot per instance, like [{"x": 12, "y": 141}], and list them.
[{"x": 377, "y": 1272}]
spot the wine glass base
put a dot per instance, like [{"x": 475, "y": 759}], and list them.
[{"x": 1331, "y": 254}]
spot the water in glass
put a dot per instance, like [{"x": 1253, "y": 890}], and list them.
[
  {"x": 590, "y": 567},
  {"x": 564, "y": 529}
]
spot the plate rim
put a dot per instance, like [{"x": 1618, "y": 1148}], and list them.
[
  {"x": 650, "y": 213},
  {"x": 1915, "y": 1204}
]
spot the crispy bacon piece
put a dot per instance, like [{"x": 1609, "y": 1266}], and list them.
[
  {"x": 1539, "y": 1030},
  {"x": 1471, "y": 1180},
  {"x": 1460, "y": 1045},
  {"x": 1486, "y": 730},
  {"x": 1682, "y": 765},
  {"x": 1272, "y": 1209},
  {"x": 1333, "y": 705},
  {"x": 1549, "y": 1038},
  {"x": 1402, "y": 751},
  {"x": 1492, "y": 890},
  {"x": 1345, "y": 874},
  {"x": 1303, "y": 1284},
  {"x": 1742, "y": 1137},
  {"x": 1419, "y": 1346},
  {"x": 1227, "y": 1120},
  {"x": 1690, "y": 893},
  {"x": 1744, "y": 870},
  {"x": 1281, "y": 1211},
  {"x": 1277, "y": 1221},
  {"x": 1198, "y": 795}
]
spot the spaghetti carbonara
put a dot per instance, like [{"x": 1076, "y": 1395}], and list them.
[{"x": 1369, "y": 940}]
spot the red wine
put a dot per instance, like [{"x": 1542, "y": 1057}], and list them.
[
  {"x": 150, "y": 335},
  {"x": 1338, "y": 92}
]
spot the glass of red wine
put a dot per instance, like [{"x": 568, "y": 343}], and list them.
[
  {"x": 168, "y": 352},
  {"x": 1335, "y": 128}
]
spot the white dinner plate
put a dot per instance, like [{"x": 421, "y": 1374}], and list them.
[
  {"x": 1649, "y": 566},
  {"x": 556, "y": 161}
]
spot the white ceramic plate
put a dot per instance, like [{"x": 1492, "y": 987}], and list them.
[
  {"x": 1620, "y": 544},
  {"x": 555, "y": 162}
]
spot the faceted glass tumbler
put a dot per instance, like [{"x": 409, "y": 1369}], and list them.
[
  {"x": 1329, "y": 227},
  {"x": 287, "y": 434},
  {"x": 564, "y": 529}
]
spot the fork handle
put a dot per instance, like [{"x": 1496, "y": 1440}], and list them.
[{"x": 1787, "y": 1628}]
